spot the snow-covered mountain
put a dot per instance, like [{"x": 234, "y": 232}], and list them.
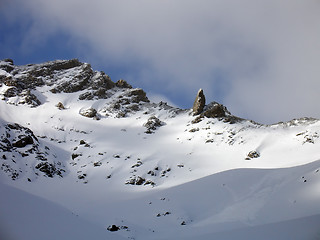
[{"x": 83, "y": 157}]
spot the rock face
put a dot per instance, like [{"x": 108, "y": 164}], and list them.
[
  {"x": 199, "y": 103},
  {"x": 18, "y": 143},
  {"x": 215, "y": 110}
]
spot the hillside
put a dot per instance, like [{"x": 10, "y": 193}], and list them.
[{"x": 82, "y": 151}]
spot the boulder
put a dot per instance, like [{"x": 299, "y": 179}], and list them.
[
  {"x": 60, "y": 106},
  {"x": 113, "y": 228},
  {"x": 89, "y": 112}
]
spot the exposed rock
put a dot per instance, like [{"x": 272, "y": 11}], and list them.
[
  {"x": 199, "y": 103},
  {"x": 17, "y": 140},
  {"x": 29, "y": 98},
  {"x": 23, "y": 141},
  {"x": 113, "y": 228},
  {"x": 7, "y": 65},
  {"x": 136, "y": 181},
  {"x": 152, "y": 124},
  {"x": 89, "y": 112},
  {"x": 197, "y": 119},
  {"x": 60, "y": 106},
  {"x": 48, "y": 169},
  {"x": 8, "y": 60},
  {"x": 215, "y": 110},
  {"x": 80, "y": 80},
  {"x": 123, "y": 84},
  {"x": 137, "y": 95},
  {"x": 82, "y": 176},
  {"x": 101, "y": 81},
  {"x": 11, "y": 92},
  {"x": 86, "y": 96},
  {"x": 252, "y": 154}
]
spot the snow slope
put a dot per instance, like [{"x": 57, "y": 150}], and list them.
[
  {"x": 184, "y": 179},
  {"x": 25, "y": 216}
]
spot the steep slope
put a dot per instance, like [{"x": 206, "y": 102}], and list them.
[{"x": 99, "y": 148}]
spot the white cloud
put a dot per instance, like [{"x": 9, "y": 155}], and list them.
[{"x": 260, "y": 57}]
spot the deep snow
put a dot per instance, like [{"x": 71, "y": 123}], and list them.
[{"x": 203, "y": 183}]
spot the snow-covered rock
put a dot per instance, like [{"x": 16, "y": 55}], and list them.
[{"x": 207, "y": 176}]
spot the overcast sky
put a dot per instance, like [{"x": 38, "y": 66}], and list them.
[{"x": 260, "y": 58}]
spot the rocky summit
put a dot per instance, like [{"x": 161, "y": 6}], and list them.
[{"x": 78, "y": 149}]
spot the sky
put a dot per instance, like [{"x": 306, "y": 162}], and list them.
[{"x": 260, "y": 58}]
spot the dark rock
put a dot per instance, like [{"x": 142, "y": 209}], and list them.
[
  {"x": 89, "y": 112},
  {"x": 194, "y": 130},
  {"x": 62, "y": 65},
  {"x": 113, "y": 228},
  {"x": 86, "y": 96},
  {"x": 137, "y": 95},
  {"x": 253, "y": 154},
  {"x": 23, "y": 141},
  {"x": 123, "y": 84},
  {"x": 48, "y": 168},
  {"x": 29, "y": 98},
  {"x": 136, "y": 181},
  {"x": 82, "y": 176},
  {"x": 199, "y": 103},
  {"x": 197, "y": 119},
  {"x": 60, "y": 106},
  {"x": 100, "y": 93},
  {"x": 7, "y": 65},
  {"x": 11, "y": 82},
  {"x": 103, "y": 81},
  {"x": 75, "y": 155},
  {"x": 79, "y": 81},
  {"x": 215, "y": 110},
  {"x": 140, "y": 181},
  {"x": 8, "y": 60},
  {"x": 11, "y": 92},
  {"x": 97, "y": 164},
  {"x": 152, "y": 124}
]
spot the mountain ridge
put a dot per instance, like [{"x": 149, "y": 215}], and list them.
[{"x": 146, "y": 170}]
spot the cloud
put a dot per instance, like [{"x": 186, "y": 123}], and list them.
[{"x": 260, "y": 58}]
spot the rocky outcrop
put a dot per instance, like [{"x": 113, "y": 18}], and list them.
[
  {"x": 199, "y": 103},
  {"x": 215, "y": 110},
  {"x": 20, "y": 147},
  {"x": 68, "y": 76},
  {"x": 60, "y": 106},
  {"x": 88, "y": 112},
  {"x": 212, "y": 110},
  {"x": 7, "y": 65},
  {"x": 123, "y": 84},
  {"x": 17, "y": 136},
  {"x": 126, "y": 103},
  {"x": 153, "y": 124},
  {"x": 137, "y": 95}
]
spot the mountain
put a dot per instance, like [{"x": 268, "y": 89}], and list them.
[{"x": 85, "y": 157}]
